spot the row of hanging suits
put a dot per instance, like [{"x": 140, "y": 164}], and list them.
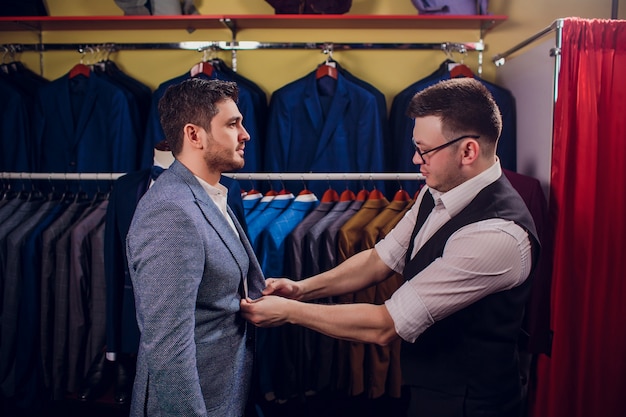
[
  {"x": 99, "y": 119},
  {"x": 299, "y": 237},
  {"x": 52, "y": 276},
  {"x": 65, "y": 291}
]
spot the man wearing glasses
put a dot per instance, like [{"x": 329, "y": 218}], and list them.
[{"x": 465, "y": 250}]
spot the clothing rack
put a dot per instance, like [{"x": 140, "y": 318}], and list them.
[
  {"x": 234, "y": 46},
  {"x": 334, "y": 176},
  {"x": 201, "y": 46},
  {"x": 556, "y": 26}
]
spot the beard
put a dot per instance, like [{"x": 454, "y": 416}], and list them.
[{"x": 224, "y": 160}]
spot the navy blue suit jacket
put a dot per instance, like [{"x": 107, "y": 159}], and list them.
[
  {"x": 99, "y": 138},
  {"x": 309, "y": 131}
]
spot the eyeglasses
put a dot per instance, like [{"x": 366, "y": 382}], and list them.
[{"x": 437, "y": 148}]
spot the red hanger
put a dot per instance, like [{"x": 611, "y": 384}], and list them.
[
  {"x": 80, "y": 69},
  {"x": 347, "y": 195},
  {"x": 362, "y": 195},
  {"x": 460, "y": 70},
  {"x": 201, "y": 68},
  {"x": 375, "y": 195},
  {"x": 330, "y": 196},
  {"x": 326, "y": 70},
  {"x": 271, "y": 193},
  {"x": 401, "y": 195}
]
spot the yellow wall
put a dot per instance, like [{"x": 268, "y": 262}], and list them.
[{"x": 390, "y": 71}]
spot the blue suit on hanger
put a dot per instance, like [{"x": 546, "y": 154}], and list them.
[
  {"x": 266, "y": 215},
  {"x": 84, "y": 124},
  {"x": 272, "y": 239},
  {"x": 321, "y": 130},
  {"x": 14, "y": 130}
]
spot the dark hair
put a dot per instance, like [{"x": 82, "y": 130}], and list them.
[
  {"x": 192, "y": 101},
  {"x": 465, "y": 107}
]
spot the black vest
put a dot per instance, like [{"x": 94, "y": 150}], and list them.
[{"x": 471, "y": 355}]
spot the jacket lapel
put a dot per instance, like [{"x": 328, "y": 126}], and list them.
[
  {"x": 335, "y": 114},
  {"x": 213, "y": 215}
]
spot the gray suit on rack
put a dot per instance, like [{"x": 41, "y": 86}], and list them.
[{"x": 188, "y": 268}]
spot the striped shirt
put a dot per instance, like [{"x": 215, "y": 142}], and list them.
[{"x": 478, "y": 259}]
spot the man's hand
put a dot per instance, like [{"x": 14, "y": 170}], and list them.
[
  {"x": 268, "y": 311},
  {"x": 283, "y": 287}
]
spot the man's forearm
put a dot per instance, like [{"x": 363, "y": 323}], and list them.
[
  {"x": 366, "y": 323},
  {"x": 358, "y": 272}
]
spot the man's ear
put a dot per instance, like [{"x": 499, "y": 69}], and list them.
[
  {"x": 471, "y": 151},
  {"x": 192, "y": 135}
]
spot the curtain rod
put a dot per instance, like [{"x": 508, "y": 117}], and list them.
[
  {"x": 200, "y": 46},
  {"x": 500, "y": 59},
  {"x": 330, "y": 176}
]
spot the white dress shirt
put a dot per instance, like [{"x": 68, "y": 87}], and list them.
[
  {"x": 219, "y": 195},
  {"x": 478, "y": 259}
]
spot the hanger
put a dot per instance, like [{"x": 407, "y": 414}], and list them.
[
  {"x": 375, "y": 195},
  {"x": 362, "y": 195},
  {"x": 8, "y": 67},
  {"x": 347, "y": 195},
  {"x": 80, "y": 68},
  {"x": 330, "y": 196},
  {"x": 203, "y": 67},
  {"x": 460, "y": 71},
  {"x": 328, "y": 68},
  {"x": 401, "y": 195},
  {"x": 457, "y": 69}
]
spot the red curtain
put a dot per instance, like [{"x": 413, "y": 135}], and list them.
[{"x": 586, "y": 373}]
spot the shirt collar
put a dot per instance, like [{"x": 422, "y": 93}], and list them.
[
  {"x": 217, "y": 190},
  {"x": 460, "y": 196}
]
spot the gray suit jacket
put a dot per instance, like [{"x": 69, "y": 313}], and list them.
[{"x": 187, "y": 266}]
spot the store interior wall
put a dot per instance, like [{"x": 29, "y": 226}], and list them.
[{"x": 389, "y": 70}]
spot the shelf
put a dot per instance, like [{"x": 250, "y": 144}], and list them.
[{"x": 239, "y": 22}]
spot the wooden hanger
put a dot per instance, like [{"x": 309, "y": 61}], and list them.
[
  {"x": 80, "y": 69},
  {"x": 347, "y": 195},
  {"x": 330, "y": 196},
  {"x": 326, "y": 70},
  {"x": 375, "y": 195},
  {"x": 362, "y": 195},
  {"x": 201, "y": 68},
  {"x": 401, "y": 195},
  {"x": 460, "y": 71}
]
